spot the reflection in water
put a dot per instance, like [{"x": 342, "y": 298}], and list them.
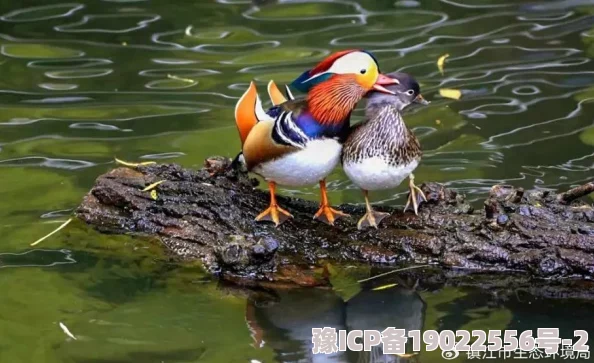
[
  {"x": 285, "y": 324},
  {"x": 396, "y": 307}
]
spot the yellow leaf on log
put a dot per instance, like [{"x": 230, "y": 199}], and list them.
[{"x": 152, "y": 186}]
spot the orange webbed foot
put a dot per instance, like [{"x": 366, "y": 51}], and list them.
[
  {"x": 274, "y": 214},
  {"x": 328, "y": 214}
]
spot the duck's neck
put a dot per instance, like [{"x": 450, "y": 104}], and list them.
[
  {"x": 387, "y": 118},
  {"x": 331, "y": 102}
]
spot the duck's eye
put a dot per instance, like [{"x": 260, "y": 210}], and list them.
[
  {"x": 410, "y": 92},
  {"x": 363, "y": 71}
]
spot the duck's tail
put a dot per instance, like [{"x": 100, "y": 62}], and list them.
[{"x": 248, "y": 111}]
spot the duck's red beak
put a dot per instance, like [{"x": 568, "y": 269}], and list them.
[{"x": 383, "y": 80}]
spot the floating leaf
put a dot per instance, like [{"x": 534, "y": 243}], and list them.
[
  {"x": 153, "y": 186},
  {"x": 344, "y": 279},
  {"x": 384, "y": 287},
  {"x": 450, "y": 93},
  {"x": 441, "y": 62},
  {"x": 154, "y": 194},
  {"x": 133, "y": 165}
]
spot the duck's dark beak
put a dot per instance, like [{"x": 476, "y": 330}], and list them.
[
  {"x": 383, "y": 80},
  {"x": 421, "y": 100}
]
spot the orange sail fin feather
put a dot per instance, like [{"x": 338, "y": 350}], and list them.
[
  {"x": 275, "y": 94},
  {"x": 245, "y": 112}
]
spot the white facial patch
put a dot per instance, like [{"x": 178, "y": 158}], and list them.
[{"x": 351, "y": 63}]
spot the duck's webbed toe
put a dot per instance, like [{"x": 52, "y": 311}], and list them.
[
  {"x": 415, "y": 196},
  {"x": 371, "y": 219}
]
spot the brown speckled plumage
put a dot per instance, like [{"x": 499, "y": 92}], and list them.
[
  {"x": 384, "y": 134},
  {"x": 381, "y": 152}
]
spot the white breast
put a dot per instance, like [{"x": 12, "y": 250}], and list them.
[
  {"x": 304, "y": 167},
  {"x": 376, "y": 174}
]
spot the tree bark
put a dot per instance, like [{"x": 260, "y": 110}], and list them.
[{"x": 209, "y": 214}]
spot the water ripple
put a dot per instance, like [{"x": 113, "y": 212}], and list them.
[
  {"x": 68, "y": 63},
  {"x": 152, "y": 80},
  {"x": 85, "y": 25},
  {"x": 38, "y": 13},
  {"x": 169, "y": 155},
  {"x": 47, "y": 162},
  {"x": 78, "y": 73},
  {"x": 36, "y": 258},
  {"x": 58, "y": 86},
  {"x": 97, "y": 126},
  {"x": 179, "y": 72}
]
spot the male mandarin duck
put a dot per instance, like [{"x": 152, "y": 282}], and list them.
[
  {"x": 381, "y": 152},
  {"x": 298, "y": 142}
]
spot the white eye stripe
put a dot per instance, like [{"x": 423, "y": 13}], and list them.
[{"x": 352, "y": 63}]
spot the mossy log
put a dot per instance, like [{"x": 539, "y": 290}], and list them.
[{"x": 208, "y": 214}]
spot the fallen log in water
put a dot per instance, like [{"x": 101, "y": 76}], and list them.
[{"x": 211, "y": 217}]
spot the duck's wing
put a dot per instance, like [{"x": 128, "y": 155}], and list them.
[
  {"x": 261, "y": 145},
  {"x": 248, "y": 112},
  {"x": 288, "y": 117},
  {"x": 276, "y": 95},
  {"x": 353, "y": 140},
  {"x": 272, "y": 134}
]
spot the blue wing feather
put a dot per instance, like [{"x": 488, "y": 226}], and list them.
[{"x": 295, "y": 125}]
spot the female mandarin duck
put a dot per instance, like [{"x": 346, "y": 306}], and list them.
[
  {"x": 381, "y": 152},
  {"x": 298, "y": 142}
]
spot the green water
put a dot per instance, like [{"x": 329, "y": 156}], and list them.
[{"x": 84, "y": 82}]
